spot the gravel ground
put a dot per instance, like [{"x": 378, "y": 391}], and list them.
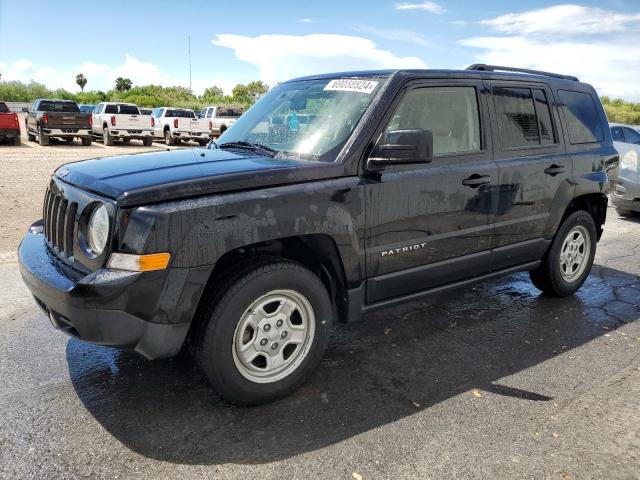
[{"x": 492, "y": 381}]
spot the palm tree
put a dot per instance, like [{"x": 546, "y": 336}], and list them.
[
  {"x": 123, "y": 84},
  {"x": 81, "y": 80}
]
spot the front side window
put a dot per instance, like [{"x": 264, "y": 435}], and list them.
[
  {"x": 307, "y": 119},
  {"x": 631, "y": 136},
  {"x": 617, "y": 134},
  {"x": 451, "y": 113},
  {"x": 524, "y": 117},
  {"x": 581, "y": 115}
]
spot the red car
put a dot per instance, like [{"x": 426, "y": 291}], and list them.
[{"x": 9, "y": 125}]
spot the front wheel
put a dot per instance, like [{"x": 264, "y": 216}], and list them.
[
  {"x": 266, "y": 332},
  {"x": 147, "y": 141},
  {"x": 86, "y": 141},
  {"x": 568, "y": 262}
]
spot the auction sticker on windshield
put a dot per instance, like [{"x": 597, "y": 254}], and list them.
[{"x": 348, "y": 85}]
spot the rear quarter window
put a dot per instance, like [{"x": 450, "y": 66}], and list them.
[{"x": 581, "y": 116}]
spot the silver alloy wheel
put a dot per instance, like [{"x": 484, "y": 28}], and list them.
[
  {"x": 575, "y": 253},
  {"x": 274, "y": 336}
]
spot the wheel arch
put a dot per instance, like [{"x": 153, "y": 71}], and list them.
[{"x": 593, "y": 203}]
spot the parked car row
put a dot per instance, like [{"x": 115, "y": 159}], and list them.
[
  {"x": 626, "y": 191},
  {"x": 115, "y": 121}
]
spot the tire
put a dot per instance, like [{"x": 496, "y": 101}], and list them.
[
  {"x": 251, "y": 295},
  {"x": 125, "y": 141},
  {"x": 168, "y": 139},
  {"x": 147, "y": 142},
  {"x": 203, "y": 143},
  {"x": 86, "y": 141},
  {"x": 554, "y": 279},
  {"x": 30, "y": 136},
  {"x": 17, "y": 141},
  {"x": 69, "y": 140},
  {"x": 43, "y": 139},
  {"x": 106, "y": 137}
]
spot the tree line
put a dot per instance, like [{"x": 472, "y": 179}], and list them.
[{"x": 143, "y": 95}]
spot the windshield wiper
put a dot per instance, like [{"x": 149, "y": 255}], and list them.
[{"x": 256, "y": 147}]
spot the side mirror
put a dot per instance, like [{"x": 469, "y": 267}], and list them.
[
  {"x": 25, "y": 109},
  {"x": 402, "y": 147}
]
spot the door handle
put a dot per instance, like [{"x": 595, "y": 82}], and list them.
[
  {"x": 475, "y": 180},
  {"x": 554, "y": 170}
]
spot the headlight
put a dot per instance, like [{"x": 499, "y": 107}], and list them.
[
  {"x": 630, "y": 161},
  {"x": 98, "y": 230}
]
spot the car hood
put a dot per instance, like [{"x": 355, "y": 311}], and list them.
[{"x": 160, "y": 176}]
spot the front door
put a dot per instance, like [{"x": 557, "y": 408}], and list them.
[{"x": 431, "y": 224}]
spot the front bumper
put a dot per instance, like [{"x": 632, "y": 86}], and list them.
[
  {"x": 108, "y": 307},
  {"x": 626, "y": 194}
]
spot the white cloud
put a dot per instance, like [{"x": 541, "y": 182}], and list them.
[
  {"x": 408, "y": 36},
  {"x": 426, "y": 6},
  {"x": 611, "y": 67},
  {"x": 102, "y": 76},
  {"x": 569, "y": 39},
  {"x": 563, "y": 20},
  {"x": 280, "y": 57},
  {"x": 459, "y": 23},
  {"x": 306, "y": 20}
]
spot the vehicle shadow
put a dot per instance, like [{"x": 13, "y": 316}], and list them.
[{"x": 392, "y": 365}]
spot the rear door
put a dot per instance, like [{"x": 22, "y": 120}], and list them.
[
  {"x": 430, "y": 224},
  {"x": 533, "y": 167}
]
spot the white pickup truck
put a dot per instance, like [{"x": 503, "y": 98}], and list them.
[
  {"x": 179, "y": 124},
  {"x": 219, "y": 118},
  {"x": 114, "y": 120}
]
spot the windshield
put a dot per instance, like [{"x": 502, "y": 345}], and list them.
[{"x": 309, "y": 119}]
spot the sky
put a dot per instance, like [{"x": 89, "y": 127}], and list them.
[{"x": 240, "y": 41}]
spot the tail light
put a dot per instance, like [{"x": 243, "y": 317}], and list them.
[
  {"x": 90, "y": 120},
  {"x": 153, "y": 122},
  {"x": 113, "y": 120},
  {"x": 45, "y": 118},
  {"x": 175, "y": 123},
  {"x": 210, "y": 125}
]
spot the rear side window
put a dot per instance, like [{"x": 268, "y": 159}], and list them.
[
  {"x": 451, "y": 113},
  {"x": 4, "y": 108},
  {"x": 581, "y": 115},
  {"x": 524, "y": 117},
  {"x": 180, "y": 114},
  {"x": 111, "y": 109}
]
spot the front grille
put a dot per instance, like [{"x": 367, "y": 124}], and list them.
[{"x": 59, "y": 222}]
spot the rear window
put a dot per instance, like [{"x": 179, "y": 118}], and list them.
[
  {"x": 4, "y": 108},
  {"x": 524, "y": 117},
  {"x": 128, "y": 110},
  {"x": 229, "y": 112},
  {"x": 581, "y": 115},
  {"x": 53, "y": 106},
  {"x": 180, "y": 114}
]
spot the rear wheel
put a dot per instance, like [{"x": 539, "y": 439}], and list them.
[
  {"x": 203, "y": 142},
  {"x": 43, "y": 138},
  {"x": 30, "y": 136},
  {"x": 568, "y": 262},
  {"x": 147, "y": 142},
  {"x": 168, "y": 139},
  {"x": 107, "y": 138},
  {"x": 265, "y": 333},
  {"x": 16, "y": 141}
]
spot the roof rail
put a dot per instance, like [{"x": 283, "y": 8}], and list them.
[{"x": 495, "y": 68}]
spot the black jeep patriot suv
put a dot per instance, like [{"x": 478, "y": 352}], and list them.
[{"x": 334, "y": 195}]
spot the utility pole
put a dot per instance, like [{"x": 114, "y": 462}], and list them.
[{"x": 189, "y": 62}]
